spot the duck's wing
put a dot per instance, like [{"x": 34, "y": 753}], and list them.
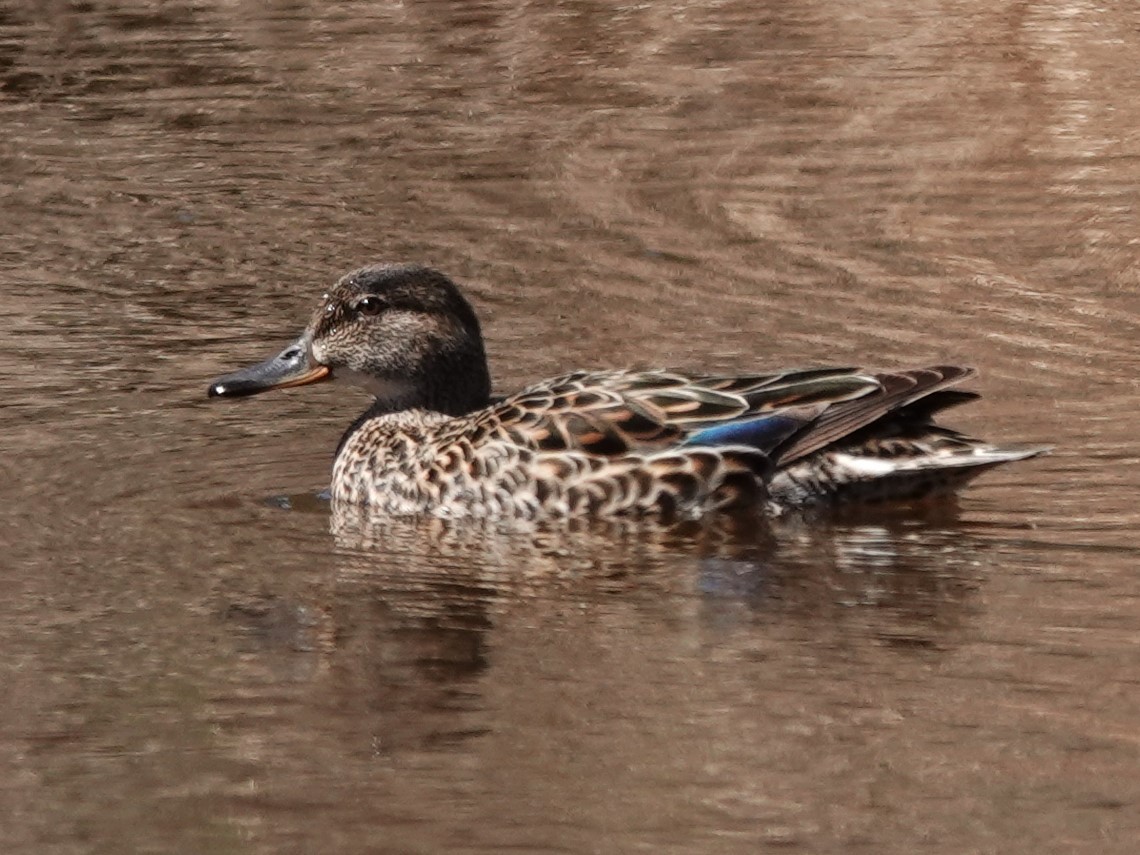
[
  {"x": 901, "y": 398},
  {"x": 611, "y": 414}
]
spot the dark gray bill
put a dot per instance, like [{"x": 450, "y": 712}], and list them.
[{"x": 291, "y": 367}]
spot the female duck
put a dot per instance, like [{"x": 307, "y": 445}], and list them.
[{"x": 436, "y": 442}]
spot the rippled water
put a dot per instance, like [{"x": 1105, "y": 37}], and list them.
[{"x": 198, "y": 658}]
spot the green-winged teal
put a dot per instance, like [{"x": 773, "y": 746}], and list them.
[{"x": 436, "y": 442}]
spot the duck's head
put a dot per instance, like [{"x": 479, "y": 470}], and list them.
[{"x": 403, "y": 332}]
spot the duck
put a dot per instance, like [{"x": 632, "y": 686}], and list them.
[{"x": 437, "y": 442}]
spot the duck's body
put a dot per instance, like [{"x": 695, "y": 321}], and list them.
[{"x": 604, "y": 443}]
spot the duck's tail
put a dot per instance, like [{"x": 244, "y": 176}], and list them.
[{"x": 868, "y": 475}]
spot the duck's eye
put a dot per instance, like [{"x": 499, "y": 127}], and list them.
[{"x": 370, "y": 306}]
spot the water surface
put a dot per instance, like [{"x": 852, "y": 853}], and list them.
[{"x": 191, "y": 666}]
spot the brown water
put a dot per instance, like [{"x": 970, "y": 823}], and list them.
[{"x": 191, "y": 666}]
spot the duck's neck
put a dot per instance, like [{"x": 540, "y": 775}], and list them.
[
  {"x": 452, "y": 389},
  {"x": 452, "y": 383},
  {"x": 451, "y": 398}
]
